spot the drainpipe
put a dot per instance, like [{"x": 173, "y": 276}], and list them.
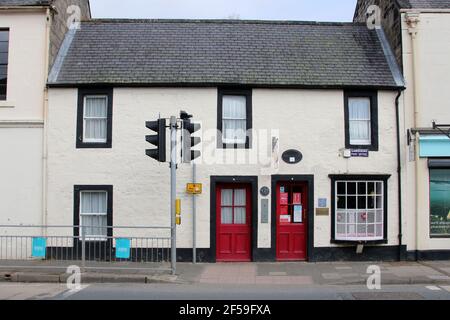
[
  {"x": 45, "y": 115},
  {"x": 399, "y": 176},
  {"x": 412, "y": 19}
]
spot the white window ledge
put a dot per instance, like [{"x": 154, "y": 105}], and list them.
[{"x": 7, "y": 104}]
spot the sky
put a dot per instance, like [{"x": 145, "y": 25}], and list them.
[{"x": 306, "y": 10}]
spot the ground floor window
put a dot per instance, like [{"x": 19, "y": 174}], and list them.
[
  {"x": 359, "y": 208},
  {"x": 440, "y": 202},
  {"x": 93, "y": 212}
]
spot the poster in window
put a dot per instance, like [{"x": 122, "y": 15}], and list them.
[
  {"x": 284, "y": 198},
  {"x": 440, "y": 202},
  {"x": 285, "y": 219},
  {"x": 297, "y": 198},
  {"x": 298, "y": 214}
]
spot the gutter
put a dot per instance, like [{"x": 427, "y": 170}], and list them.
[
  {"x": 412, "y": 19},
  {"x": 399, "y": 177},
  {"x": 424, "y": 11},
  {"x": 45, "y": 116}
]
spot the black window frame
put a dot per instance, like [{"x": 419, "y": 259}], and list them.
[
  {"x": 82, "y": 93},
  {"x": 76, "y": 211},
  {"x": 5, "y": 96},
  {"x": 349, "y": 177},
  {"x": 373, "y": 96},
  {"x": 249, "y": 104}
]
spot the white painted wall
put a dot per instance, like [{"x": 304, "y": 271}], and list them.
[
  {"x": 21, "y": 182},
  {"x": 21, "y": 118},
  {"x": 433, "y": 75},
  {"x": 309, "y": 120},
  {"x": 26, "y": 65}
]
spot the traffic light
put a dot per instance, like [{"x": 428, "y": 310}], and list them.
[
  {"x": 188, "y": 141},
  {"x": 158, "y": 140}
]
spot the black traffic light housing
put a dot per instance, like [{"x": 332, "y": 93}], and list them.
[
  {"x": 158, "y": 140},
  {"x": 188, "y": 141}
]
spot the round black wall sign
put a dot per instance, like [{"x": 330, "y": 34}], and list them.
[
  {"x": 292, "y": 156},
  {"x": 265, "y": 191}
]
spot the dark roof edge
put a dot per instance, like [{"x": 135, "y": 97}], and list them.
[
  {"x": 225, "y": 21},
  {"x": 224, "y": 85}
]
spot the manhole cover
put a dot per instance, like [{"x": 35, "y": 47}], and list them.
[{"x": 387, "y": 296}]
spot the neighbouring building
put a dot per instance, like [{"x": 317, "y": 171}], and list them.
[
  {"x": 317, "y": 176},
  {"x": 30, "y": 36},
  {"x": 419, "y": 33}
]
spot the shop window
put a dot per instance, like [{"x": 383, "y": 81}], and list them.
[
  {"x": 440, "y": 202},
  {"x": 359, "y": 208}
]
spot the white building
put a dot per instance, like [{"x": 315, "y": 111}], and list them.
[
  {"x": 30, "y": 36},
  {"x": 419, "y": 33},
  {"x": 319, "y": 99}
]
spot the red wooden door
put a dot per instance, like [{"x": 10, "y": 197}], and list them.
[
  {"x": 233, "y": 223},
  {"x": 292, "y": 221}
]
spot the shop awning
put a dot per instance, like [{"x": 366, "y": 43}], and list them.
[{"x": 434, "y": 146}]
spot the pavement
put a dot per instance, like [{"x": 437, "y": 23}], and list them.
[{"x": 298, "y": 274}]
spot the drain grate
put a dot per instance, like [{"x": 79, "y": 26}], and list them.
[{"x": 387, "y": 296}]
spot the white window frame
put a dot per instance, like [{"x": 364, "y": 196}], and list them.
[
  {"x": 85, "y": 118},
  {"x": 369, "y": 120},
  {"x": 359, "y": 211},
  {"x": 93, "y": 237},
  {"x": 233, "y": 141}
]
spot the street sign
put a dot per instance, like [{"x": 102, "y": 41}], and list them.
[{"x": 194, "y": 188}]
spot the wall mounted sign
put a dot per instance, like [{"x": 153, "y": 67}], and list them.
[
  {"x": 322, "y": 203},
  {"x": 363, "y": 153},
  {"x": 292, "y": 156},
  {"x": 194, "y": 188},
  {"x": 265, "y": 191},
  {"x": 264, "y": 211},
  {"x": 123, "y": 248},
  {"x": 39, "y": 247},
  {"x": 322, "y": 211}
]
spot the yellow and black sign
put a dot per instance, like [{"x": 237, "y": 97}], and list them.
[{"x": 194, "y": 188}]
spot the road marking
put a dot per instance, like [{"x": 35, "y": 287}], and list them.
[
  {"x": 69, "y": 293},
  {"x": 433, "y": 288}
]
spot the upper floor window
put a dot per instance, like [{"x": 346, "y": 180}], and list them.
[
  {"x": 4, "y": 46},
  {"x": 234, "y": 118},
  {"x": 94, "y": 119},
  {"x": 361, "y": 120}
]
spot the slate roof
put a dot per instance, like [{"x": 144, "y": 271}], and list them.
[
  {"x": 25, "y": 2},
  {"x": 424, "y": 4},
  {"x": 222, "y": 52}
]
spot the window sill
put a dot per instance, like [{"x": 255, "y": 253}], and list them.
[
  {"x": 7, "y": 104},
  {"x": 356, "y": 242}
]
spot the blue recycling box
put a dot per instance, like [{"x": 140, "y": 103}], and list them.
[
  {"x": 123, "y": 248},
  {"x": 39, "y": 248}
]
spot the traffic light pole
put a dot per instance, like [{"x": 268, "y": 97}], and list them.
[{"x": 173, "y": 191}]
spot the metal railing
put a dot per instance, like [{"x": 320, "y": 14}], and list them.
[{"x": 90, "y": 247}]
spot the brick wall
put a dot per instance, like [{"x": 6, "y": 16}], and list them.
[
  {"x": 391, "y": 22},
  {"x": 59, "y": 25}
]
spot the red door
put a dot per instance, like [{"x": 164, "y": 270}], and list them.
[
  {"x": 233, "y": 223},
  {"x": 292, "y": 224}
]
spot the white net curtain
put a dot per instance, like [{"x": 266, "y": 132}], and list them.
[
  {"x": 234, "y": 118},
  {"x": 93, "y": 213},
  {"x": 359, "y": 120},
  {"x": 95, "y": 118}
]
